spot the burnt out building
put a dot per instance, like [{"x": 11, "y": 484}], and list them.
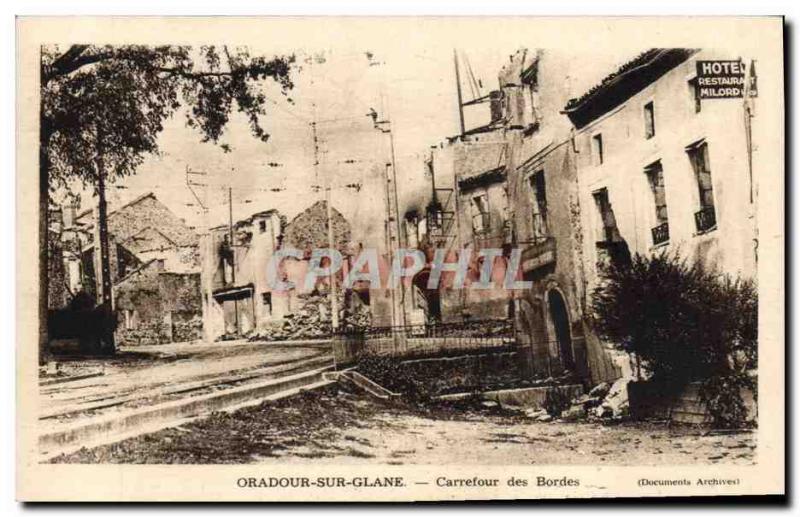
[
  {"x": 512, "y": 184},
  {"x": 550, "y": 320},
  {"x": 241, "y": 299},
  {"x": 148, "y": 245}
]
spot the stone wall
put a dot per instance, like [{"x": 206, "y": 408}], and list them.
[
  {"x": 309, "y": 229},
  {"x": 163, "y": 307}
]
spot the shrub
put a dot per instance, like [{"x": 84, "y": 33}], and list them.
[{"x": 683, "y": 322}]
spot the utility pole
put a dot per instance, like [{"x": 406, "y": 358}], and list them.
[
  {"x": 392, "y": 178},
  {"x": 458, "y": 90},
  {"x": 207, "y": 266},
  {"x": 334, "y": 302},
  {"x": 392, "y": 203},
  {"x": 102, "y": 263},
  {"x": 331, "y": 247},
  {"x": 233, "y": 257}
]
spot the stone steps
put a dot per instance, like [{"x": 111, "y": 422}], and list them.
[{"x": 94, "y": 431}]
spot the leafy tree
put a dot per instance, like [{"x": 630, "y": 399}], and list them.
[
  {"x": 103, "y": 107},
  {"x": 685, "y": 323}
]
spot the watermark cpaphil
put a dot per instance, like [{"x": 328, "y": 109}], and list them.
[{"x": 484, "y": 269}]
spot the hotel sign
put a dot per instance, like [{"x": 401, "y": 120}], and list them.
[{"x": 720, "y": 79}]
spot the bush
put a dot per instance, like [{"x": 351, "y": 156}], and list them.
[
  {"x": 683, "y": 322},
  {"x": 391, "y": 374}
]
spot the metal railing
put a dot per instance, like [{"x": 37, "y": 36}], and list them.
[
  {"x": 425, "y": 340},
  {"x": 705, "y": 219},
  {"x": 660, "y": 234},
  {"x": 613, "y": 252},
  {"x": 466, "y": 328}
]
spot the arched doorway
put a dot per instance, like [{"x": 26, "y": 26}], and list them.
[
  {"x": 427, "y": 299},
  {"x": 560, "y": 324}
]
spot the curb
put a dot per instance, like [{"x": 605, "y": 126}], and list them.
[{"x": 109, "y": 429}]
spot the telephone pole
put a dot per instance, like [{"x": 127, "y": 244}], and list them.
[
  {"x": 334, "y": 302},
  {"x": 233, "y": 258},
  {"x": 207, "y": 265}
]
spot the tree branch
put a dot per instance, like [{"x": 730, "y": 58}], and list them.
[{"x": 72, "y": 60}]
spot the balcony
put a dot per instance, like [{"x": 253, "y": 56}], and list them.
[
  {"x": 537, "y": 253},
  {"x": 705, "y": 219},
  {"x": 660, "y": 234}
]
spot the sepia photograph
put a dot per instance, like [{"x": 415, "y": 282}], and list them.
[{"x": 359, "y": 267}]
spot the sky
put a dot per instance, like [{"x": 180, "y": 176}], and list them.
[{"x": 412, "y": 85}]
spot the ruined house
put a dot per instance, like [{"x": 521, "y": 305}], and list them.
[
  {"x": 545, "y": 221},
  {"x": 512, "y": 183},
  {"x": 242, "y": 300},
  {"x": 148, "y": 245}
]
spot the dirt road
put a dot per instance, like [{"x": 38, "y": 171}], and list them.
[
  {"x": 136, "y": 375},
  {"x": 332, "y": 426}
]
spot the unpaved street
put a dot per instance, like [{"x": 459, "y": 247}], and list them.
[
  {"x": 333, "y": 426},
  {"x": 136, "y": 376}
]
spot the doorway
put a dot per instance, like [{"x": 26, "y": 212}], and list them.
[{"x": 560, "y": 320}]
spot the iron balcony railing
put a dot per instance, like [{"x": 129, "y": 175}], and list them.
[
  {"x": 660, "y": 234},
  {"x": 537, "y": 252},
  {"x": 705, "y": 219}
]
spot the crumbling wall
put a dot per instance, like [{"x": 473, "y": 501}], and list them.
[
  {"x": 312, "y": 318},
  {"x": 309, "y": 230},
  {"x": 167, "y": 306}
]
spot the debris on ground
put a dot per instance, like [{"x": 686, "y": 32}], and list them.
[
  {"x": 617, "y": 399},
  {"x": 335, "y": 426},
  {"x": 312, "y": 319}
]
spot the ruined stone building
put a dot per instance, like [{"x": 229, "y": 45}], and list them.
[
  {"x": 512, "y": 183},
  {"x": 545, "y": 221},
  {"x": 235, "y": 274},
  {"x": 154, "y": 264},
  {"x": 243, "y": 302},
  {"x": 638, "y": 164}
]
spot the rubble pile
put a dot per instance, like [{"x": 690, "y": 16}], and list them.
[
  {"x": 603, "y": 402},
  {"x": 188, "y": 330},
  {"x": 312, "y": 319}
]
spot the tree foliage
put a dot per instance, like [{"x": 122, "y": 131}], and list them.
[
  {"x": 683, "y": 321},
  {"x": 103, "y": 107},
  {"x": 112, "y": 101}
]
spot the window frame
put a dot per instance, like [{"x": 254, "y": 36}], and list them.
[
  {"x": 692, "y": 152},
  {"x": 266, "y": 301},
  {"x": 609, "y": 233},
  {"x": 597, "y": 149},
  {"x": 540, "y": 230},
  {"x": 650, "y": 171},
  {"x": 475, "y": 212},
  {"x": 694, "y": 91},
  {"x": 649, "y": 107}
]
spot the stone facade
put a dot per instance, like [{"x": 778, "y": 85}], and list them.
[
  {"x": 514, "y": 185},
  {"x": 155, "y": 306},
  {"x": 546, "y": 223},
  {"x": 154, "y": 262}
]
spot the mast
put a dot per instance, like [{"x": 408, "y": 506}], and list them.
[{"x": 458, "y": 91}]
